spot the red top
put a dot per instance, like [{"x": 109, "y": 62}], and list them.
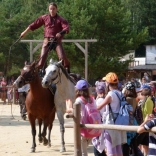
[
  {"x": 52, "y": 25},
  {"x": 3, "y": 84}
]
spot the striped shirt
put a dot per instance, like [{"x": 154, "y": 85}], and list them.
[{"x": 152, "y": 137}]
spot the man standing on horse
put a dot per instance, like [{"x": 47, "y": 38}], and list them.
[{"x": 55, "y": 27}]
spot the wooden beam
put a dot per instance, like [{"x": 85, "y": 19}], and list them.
[
  {"x": 84, "y": 50},
  {"x": 111, "y": 127},
  {"x": 36, "y": 48},
  {"x": 78, "y": 40},
  {"x": 80, "y": 47}
]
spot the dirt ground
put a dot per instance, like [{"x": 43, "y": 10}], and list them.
[{"x": 16, "y": 140}]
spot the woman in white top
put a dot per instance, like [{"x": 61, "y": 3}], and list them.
[{"x": 113, "y": 138}]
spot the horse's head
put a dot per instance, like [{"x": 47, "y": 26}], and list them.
[
  {"x": 28, "y": 72},
  {"x": 52, "y": 74},
  {"x": 19, "y": 82}
]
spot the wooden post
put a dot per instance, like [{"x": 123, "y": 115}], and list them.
[
  {"x": 14, "y": 96},
  {"x": 31, "y": 49},
  {"x": 77, "y": 136}
]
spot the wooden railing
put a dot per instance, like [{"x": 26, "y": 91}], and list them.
[
  {"x": 77, "y": 126},
  {"x": 133, "y": 64}
]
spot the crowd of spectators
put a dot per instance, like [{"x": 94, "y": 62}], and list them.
[
  {"x": 6, "y": 90},
  {"x": 145, "y": 99}
]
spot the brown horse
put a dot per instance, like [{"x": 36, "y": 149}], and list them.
[{"x": 39, "y": 104}]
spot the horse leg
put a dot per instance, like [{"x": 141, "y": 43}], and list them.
[
  {"x": 44, "y": 132},
  {"x": 39, "y": 135},
  {"x": 50, "y": 128},
  {"x": 22, "y": 105},
  {"x": 33, "y": 131},
  {"x": 49, "y": 134},
  {"x": 62, "y": 130}
]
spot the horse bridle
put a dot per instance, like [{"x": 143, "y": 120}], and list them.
[
  {"x": 29, "y": 79},
  {"x": 57, "y": 76}
]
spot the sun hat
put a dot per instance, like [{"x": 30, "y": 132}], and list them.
[
  {"x": 112, "y": 78},
  {"x": 100, "y": 87},
  {"x": 81, "y": 85},
  {"x": 130, "y": 86}
]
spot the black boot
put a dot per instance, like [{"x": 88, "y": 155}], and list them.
[
  {"x": 42, "y": 73},
  {"x": 68, "y": 70}
]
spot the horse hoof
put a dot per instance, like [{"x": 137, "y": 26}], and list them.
[
  {"x": 40, "y": 140},
  {"x": 63, "y": 149},
  {"x": 32, "y": 150},
  {"x": 24, "y": 117},
  {"x": 49, "y": 145},
  {"x": 45, "y": 143}
]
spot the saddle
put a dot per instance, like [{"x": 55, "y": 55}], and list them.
[{"x": 75, "y": 77}]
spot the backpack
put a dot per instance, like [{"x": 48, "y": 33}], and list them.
[
  {"x": 125, "y": 116},
  {"x": 138, "y": 115},
  {"x": 138, "y": 111},
  {"x": 89, "y": 115}
]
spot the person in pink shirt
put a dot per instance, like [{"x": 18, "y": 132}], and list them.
[
  {"x": 55, "y": 27},
  {"x": 3, "y": 90}
]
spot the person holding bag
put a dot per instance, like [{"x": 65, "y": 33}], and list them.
[
  {"x": 113, "y": 139},
  {"x": 84, "y": 99}
]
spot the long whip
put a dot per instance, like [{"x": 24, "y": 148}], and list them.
[
  {"x": 14, "y": 44},
  {"x": 8, "y": 65}
]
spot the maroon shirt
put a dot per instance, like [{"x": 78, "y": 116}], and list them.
[{"x": 52, "y": 25}]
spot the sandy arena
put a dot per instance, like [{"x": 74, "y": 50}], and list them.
[{"x": 16, "y": 139}]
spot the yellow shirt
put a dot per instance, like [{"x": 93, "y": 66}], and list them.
[{"x": 147, "y": 108}]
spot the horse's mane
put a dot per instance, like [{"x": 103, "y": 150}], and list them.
[{"x": 66, "y": 74}]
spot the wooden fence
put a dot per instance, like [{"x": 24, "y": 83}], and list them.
[{"x": 77, "y": 126}]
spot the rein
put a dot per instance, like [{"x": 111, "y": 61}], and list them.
[{"x": 49, "y": 48}]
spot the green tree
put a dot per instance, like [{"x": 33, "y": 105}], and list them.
[{"x": 110, "y": 22}]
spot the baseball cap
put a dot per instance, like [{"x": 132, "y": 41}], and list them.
[
  {"x": 146, "y": 86},
  {"x": 104, "y": 78},
  {"x": 112, "y": 78},
  {"x": 130, "y": 85},
  {"x": 81, "y": 85},
  {"x": 143, "y": 87},
  {"x": 100, "y": 87}
]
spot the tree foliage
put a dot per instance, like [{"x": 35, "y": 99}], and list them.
[{"x": 112, "y": 23}]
